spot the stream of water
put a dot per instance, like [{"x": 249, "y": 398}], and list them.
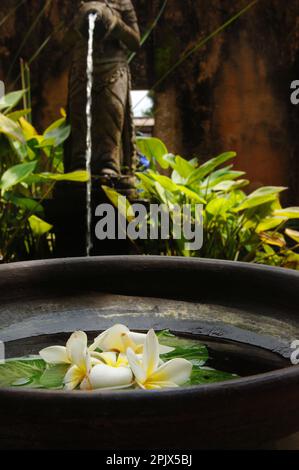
[{"x": 89, "y": 71}]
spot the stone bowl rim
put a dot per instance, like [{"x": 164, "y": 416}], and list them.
[{"x": 264, "y": 380}]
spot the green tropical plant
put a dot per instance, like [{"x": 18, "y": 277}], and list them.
[
  {"x": 30, "y": 165},
  {"x": 237, "y": 226}
]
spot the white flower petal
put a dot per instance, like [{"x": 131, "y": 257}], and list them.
[
  {"x": 108, "y": 358},
  {"x": 55, "y": 355},
  {"x": 73, "y": 378},
  {"x": 77, "y": 348},
  {"x": 85, "y": 384},
  {"x": 136, "y": 366},
  {"x": 150, "y": 359},
  {"x": 177, "y": 371},
  {"x": 137, "y": 338},
  {"x": 111, "y": 339},
  {"x": 103, "y": 376},
  {"x": 165, "y": 349},
  {"x": 159, "y": 385}
]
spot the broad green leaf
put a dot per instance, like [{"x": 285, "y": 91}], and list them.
[
  {"x": 205, "y": 375},
  {"x": 20, "y": 372},
  {"x": 55, "y": 125},
  {"x": 192, "y": 195},
  {"x": 292, "y": 260},
  {"x": 225, "y": 174},
  {"x": 153, "y": 149},
  {"x": 227, "y": 186},
  {"x": 38, "y": 226},
  {"x": 11, "y": 129},
  {"x": 162, "y": 193},
  {"x": 80, "y": 176},
  {"x": 273, "y": 238},
  {"x": 17, "y": 115},
  {"x": 293, "y": 234},
  {"x": 180, "y": 165},
  {"x": 270, "y": 223},
  {"x": 218, "y": 206},
  {"x": 120, "y": 203},
  {"x": 198, "y": 174},
  {"x": 16, "y": 175},
  {"x": 11, "y": 99},
  {"x": 189, "y": 349},
  {"x": 28, "y": 130},
  {"x": 166, "y": 182},
  {"x": 24, "y": 203},
  {"x": 147, "y": 182},
  {"x": 289, "y": 212},
  {"x": 53, "y": 376},
  {"x": 261, "y": 196},
  {"x": 56, "y": 134},
  {"x": 194, "y": 162}
]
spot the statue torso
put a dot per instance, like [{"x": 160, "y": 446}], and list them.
[{"x": 110, "y": 50}]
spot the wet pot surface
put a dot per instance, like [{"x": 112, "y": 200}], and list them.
[{"x": 246, "y": 315}]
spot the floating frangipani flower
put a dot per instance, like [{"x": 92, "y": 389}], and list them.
[
  {"x": 116, "y": 368},
  {"x": 75, "y": 354},
  {"x": 147, "y": 372},
  {"x": 106, "y": 377},
  {"x": 113, "y": 372},
  {"x": 119, "y": 338}
]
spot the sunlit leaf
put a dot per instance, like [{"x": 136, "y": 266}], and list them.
[
  {"x": 227, "y": 186},
  {"x": 261, "y": 196},
  {"x": 11, "y": 99},
  {"x": 270, "y": 223},
  {"x": 218, "y": 206},
  {"x": 289, "y": 212},
  {"x": 38, "y": 226},
  {"x": 28, "y": 129},
  {"x": 198, "y": 174},
  {"x": 293, "y": 234},
  {"x": 273, "y": 238},
  {"x": 180, "y": 165},
  {"x": 153, "y": 149},
  {"x": 17, "y": 115},
  {"x": 57, "y": 133},
  {"x": 80, "y": 176},
  {"x": 11, "y": 128},
  {"x": 221, "y": 175},
  {"x": 16, "y": 174},
  {"x": 192, "y": 195},
  {"x": 121, "y": 203}
]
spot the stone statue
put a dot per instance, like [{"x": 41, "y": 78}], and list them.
[{"x": 113, "y": 136}]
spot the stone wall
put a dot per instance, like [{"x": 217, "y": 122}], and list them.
[{"x": 233, "y": 94}]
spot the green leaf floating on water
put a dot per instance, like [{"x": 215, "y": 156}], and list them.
[
  {"x": 22, "y": 372},
  {"x": 53, "y": 376},
  {"x": 189, "y": 349},
  {"x": 32, "y": 373},
  {"x": 207, "y": 375},
  {"x": 198, "y": 354}
]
